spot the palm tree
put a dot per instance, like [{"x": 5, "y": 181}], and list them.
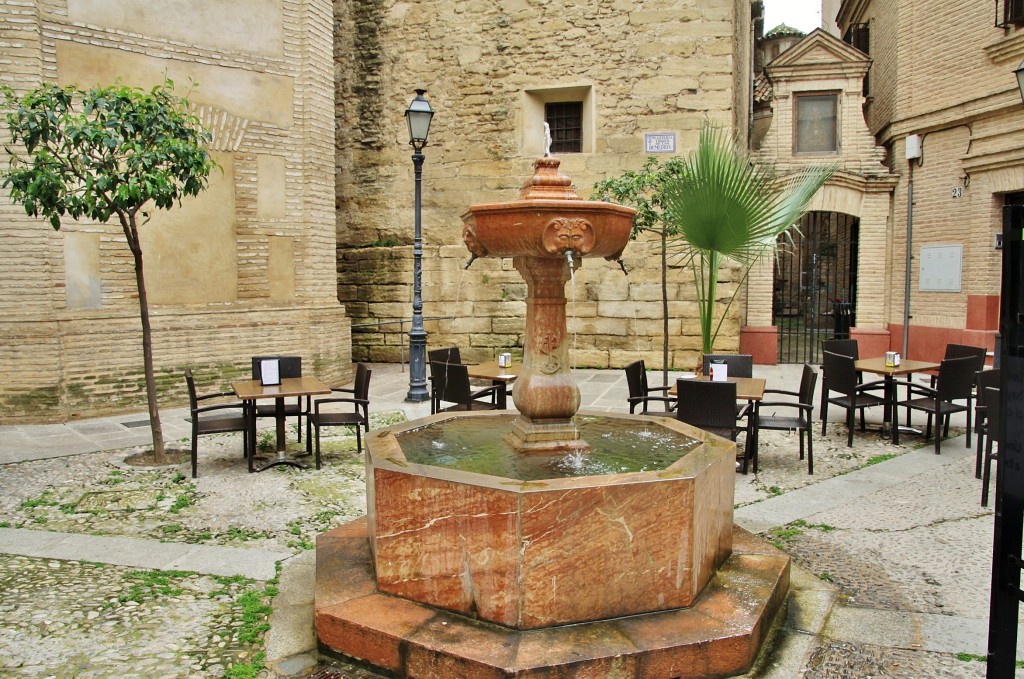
[{"x": 721, "y": 205}]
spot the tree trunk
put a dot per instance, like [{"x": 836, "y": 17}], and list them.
[{"x": 132, "y": 235}]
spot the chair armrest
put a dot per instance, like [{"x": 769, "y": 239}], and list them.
[
  {"x": 920, "y": 390},
  {"x": 219, "y": 394},
  {"x": 491, "y": 390},
  {"x": 222, "y": 406},
  {"x": 870, "y": 386},
  {"x": 355, "y": 401},
  {"x": 664, "y": 389},
  {"x": 345, "y": 390},
  {"x": 786, "y": 404},
  {"x": 782, "y": 391},
  {"x": 744, "y": 411}
]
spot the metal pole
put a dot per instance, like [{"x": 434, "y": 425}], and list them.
[
  {"x": 910, "y": 235},
  {"x": 417, "y": 335}
]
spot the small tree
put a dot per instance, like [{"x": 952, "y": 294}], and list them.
[
  {"x": 642, "y": 189},
  {"x": 102, "y": 153},
  {"x": 722, "y": 205}
]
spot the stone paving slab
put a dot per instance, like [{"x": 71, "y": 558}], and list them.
[
  {"x": 847, "y": 488},
  {"x": 912, "y": 631},
  {"x": 257, "y": 564}
]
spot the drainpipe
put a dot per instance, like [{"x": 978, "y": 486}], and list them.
[{"x": 913, "y": 152}]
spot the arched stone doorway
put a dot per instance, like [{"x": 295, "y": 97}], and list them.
[{"x": 814, "y": 294}]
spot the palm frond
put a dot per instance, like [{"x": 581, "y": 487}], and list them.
[{"x": 721, "y": 204}]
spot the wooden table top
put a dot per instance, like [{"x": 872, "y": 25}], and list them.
[
  {"x": 747, "y": 388},
  {"x": 492, "y": 371},
  {"x": 290, "y": 386},
  {"x": 878, "y": 366}
]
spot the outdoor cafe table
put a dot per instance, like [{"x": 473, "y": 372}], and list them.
[
  {"x": 750, "y": 389},
  {"x": 252, "y": 390},
  {"x": 877, "y": 366},
  {"x": 498, "y": 375}
]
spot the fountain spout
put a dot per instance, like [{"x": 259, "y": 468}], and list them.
[
  {"x": 472, "y": 258},
  {"x": 622, "y": 265},
  {"x": 568, "y": 257}
]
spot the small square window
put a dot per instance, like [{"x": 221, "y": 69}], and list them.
[
  {"x": 565, "y": 119},
  {"x": 815, "y": 128}
]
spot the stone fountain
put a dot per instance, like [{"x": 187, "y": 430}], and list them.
[{"x": 469, "y": 572}]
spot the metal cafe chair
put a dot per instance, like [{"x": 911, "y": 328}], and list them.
[
  {"x": 711, "y": 406},
  {"x": 641, "y": 394},
  {"x": 955, "y": 382},
  {"x": 358, "y": 417},
  {"x": 984, "y": 379},
  {"x": 223, "y": 422},
  {"x": 994, "y": 405},
  {"x": 841, "y": 377},
  {"x": 800, "y": 413},
  {"x": 450, "y": 383}
]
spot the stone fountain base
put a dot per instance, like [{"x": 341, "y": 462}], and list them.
[{"x": 718, "y": 636}]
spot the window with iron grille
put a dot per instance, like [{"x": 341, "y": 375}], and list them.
[
  {"x": 1013, "y": 12},
  {"x": 565, "y": 119},
  {"x": 816, "y": 125},
  {"x": 859, "y": 36}
]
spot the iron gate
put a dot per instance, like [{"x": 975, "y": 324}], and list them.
[{"x": 815, "y": 287}]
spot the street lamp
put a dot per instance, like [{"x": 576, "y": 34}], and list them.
[{"x": 418, "y": 117}]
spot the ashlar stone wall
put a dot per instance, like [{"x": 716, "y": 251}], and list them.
[
  {"x": 638, "y": 67},
  {"x": 247, "y": 268}
]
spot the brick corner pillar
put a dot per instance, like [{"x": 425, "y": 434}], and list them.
[{"x": 761, "y": 342}]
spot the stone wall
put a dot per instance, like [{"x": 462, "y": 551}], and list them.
[
  {"x": 247, "y": 268},
  {"x": 614, "y": 318},
  {"x": 638, "y": 67}
]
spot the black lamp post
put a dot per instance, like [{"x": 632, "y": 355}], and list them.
[{"x": 418, "y": 117}]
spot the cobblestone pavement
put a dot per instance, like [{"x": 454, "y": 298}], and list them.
[{"x": 919, "y": 547}]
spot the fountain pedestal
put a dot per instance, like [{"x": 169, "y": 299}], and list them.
[{"x": 545, "y": 394}]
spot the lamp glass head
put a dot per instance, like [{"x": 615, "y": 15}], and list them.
[{"x": 418, "y": 117}]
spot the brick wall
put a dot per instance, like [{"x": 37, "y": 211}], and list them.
[{"x": 247, "y": 268}]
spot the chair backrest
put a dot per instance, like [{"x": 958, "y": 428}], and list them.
[
  {"x": 956, "y": 378},
  {"x": 965, "y": 350},
  {"x": 994, "y": 412},
  {"x": 843, "y": 347},
  {"x": 636, "y": 379},
  {"x": 288, "y": 366},
  {"x": 707, "y": 405},
  {"x": 740, "y": 365},
  {"x": 447, "y": 355},
  {"x": 361, "y": 389},
  {"x": 840, "y": 375},
  {"x": 193, "y": 401},
  {"x": 986, "y": 379},
  {"x": 451, "y": 381},
  {"x": 808, "y": 380}
]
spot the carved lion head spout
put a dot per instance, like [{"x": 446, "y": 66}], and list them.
[
  {"x": 472, "y": 244},
  {"x": 568, "y": 233}
]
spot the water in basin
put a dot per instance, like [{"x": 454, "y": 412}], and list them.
[{"x": 477, "y": 445}]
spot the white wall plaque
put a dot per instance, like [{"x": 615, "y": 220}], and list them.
[
  {"x": 660, "y": 142},
  {"x": 941, "y": 266}
]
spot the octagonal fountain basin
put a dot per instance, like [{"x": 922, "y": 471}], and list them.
[{"x": 527, "y": 541}]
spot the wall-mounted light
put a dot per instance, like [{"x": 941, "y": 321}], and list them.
[{"x": 1020, "y": 79}]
